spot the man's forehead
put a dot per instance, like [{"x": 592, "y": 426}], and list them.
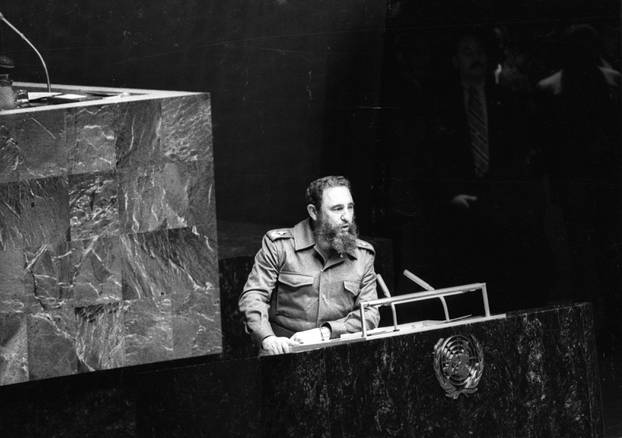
[{"x": 336, "y": 195}]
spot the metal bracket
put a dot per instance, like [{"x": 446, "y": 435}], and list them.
[{"x": 428, "y": 294}]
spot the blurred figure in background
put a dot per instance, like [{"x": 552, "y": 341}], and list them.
[
  {"x": 580, "y": 125},
  {"x": 485, "y": 215}
]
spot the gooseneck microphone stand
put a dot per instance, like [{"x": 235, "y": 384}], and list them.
[{"x": 22, "y": 36}]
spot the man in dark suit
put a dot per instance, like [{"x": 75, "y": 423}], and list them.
[{"x": 483, "y": 200}]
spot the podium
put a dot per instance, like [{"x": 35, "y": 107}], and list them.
[
  {"x": 108, "y": 254},
  {"x": 540, "y": 378}
]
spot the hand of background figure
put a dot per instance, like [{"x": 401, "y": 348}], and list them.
[
  {"x": 463, "y": 200},
  {"x": 308, "y": 336},
  {"x": 276, "y": 345}
]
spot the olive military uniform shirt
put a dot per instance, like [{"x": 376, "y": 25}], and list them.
[{"x": 292, "y": 288}]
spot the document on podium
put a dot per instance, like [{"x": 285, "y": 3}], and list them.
[{"x": 390, "y": 331}]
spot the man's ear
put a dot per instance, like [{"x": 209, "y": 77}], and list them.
[{"x": 312, "y": 211}]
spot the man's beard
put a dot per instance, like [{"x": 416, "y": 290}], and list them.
[{"x": 342, "y": 241}]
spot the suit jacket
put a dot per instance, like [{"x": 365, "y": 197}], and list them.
[
  {"x": 449, "y": 154},
  {"x": 581, "y": 140}
]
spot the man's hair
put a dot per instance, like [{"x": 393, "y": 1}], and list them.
[
  {"x": 316, "y": 188},
  {"x": 484, "y": 36}
]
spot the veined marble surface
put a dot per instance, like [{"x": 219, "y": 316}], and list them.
[{"x": 108, "y": 252}]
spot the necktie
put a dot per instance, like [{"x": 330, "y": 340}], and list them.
[{"x": 478, "y": 131}]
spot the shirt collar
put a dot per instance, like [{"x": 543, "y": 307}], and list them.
[
  {"x": 303, "y": 235},
  {"x": 304, "y": 238}
]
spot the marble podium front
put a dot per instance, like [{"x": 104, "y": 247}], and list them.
[{"x": 108, "y": 254}]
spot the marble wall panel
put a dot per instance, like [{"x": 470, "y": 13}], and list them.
[
  {"x": 43, "y": 211},
  {"x": 165, "y": 196},
  {"x": 13, "y": 296},
  {"x": 47, "y": 276},
  {"x": 93, "y": 208},
  {"x": 167, "y": 263},
  {"x": 100, "y": 340},
  {"x": 51, "y": 338},
  {"x": 196, "y": 301},
  {"x": 11, "y": 156},
  {"x": 10, "y": 216},
  {"x": 92, "y": 139},
  {"x": 96, "y": 266},
  {"x": 145, "y": 254},
  {"x": 42, "y": 140},
  {"x": 185, "y": 135},
  {"x": 138, "y": 139},
  {"x": 180, "y": 266},
  {"x": 148, "y": 331},
  {"x": 13, "y": 348}
]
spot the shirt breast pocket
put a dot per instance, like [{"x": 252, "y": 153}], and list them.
[
  {"x": 344, "y": 296},
  {"x": 354, "y": 287},
  {"x": 294, "y": 294}
]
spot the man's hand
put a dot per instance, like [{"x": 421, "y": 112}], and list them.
[
  {"x": 312, "y": 336},
  {"x": 463, "y": 200},
  {"x": 275, "y": 345}
]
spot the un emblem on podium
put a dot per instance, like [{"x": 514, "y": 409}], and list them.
[{"x": 458, "y": 364}]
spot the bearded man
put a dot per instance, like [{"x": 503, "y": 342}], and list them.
[{"x": 307, "y": 281}]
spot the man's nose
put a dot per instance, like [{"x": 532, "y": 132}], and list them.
[{"x": 346, "y": 217}]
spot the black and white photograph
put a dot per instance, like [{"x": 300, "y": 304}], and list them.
[{"x": 295, "y": 218}]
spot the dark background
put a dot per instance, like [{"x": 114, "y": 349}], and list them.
[
  {"x": 301, "y": 89},
  {"x": 283, "y": 76}
]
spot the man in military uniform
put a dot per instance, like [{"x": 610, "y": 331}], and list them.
[{"x": 307, "y": 281}]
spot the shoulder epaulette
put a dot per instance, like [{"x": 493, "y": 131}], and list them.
[
  {"x": 281, "y": 233},
  {"x": 365, "y": 245}
]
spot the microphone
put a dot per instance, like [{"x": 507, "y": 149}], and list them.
[{"x": 22, "y": 36}]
